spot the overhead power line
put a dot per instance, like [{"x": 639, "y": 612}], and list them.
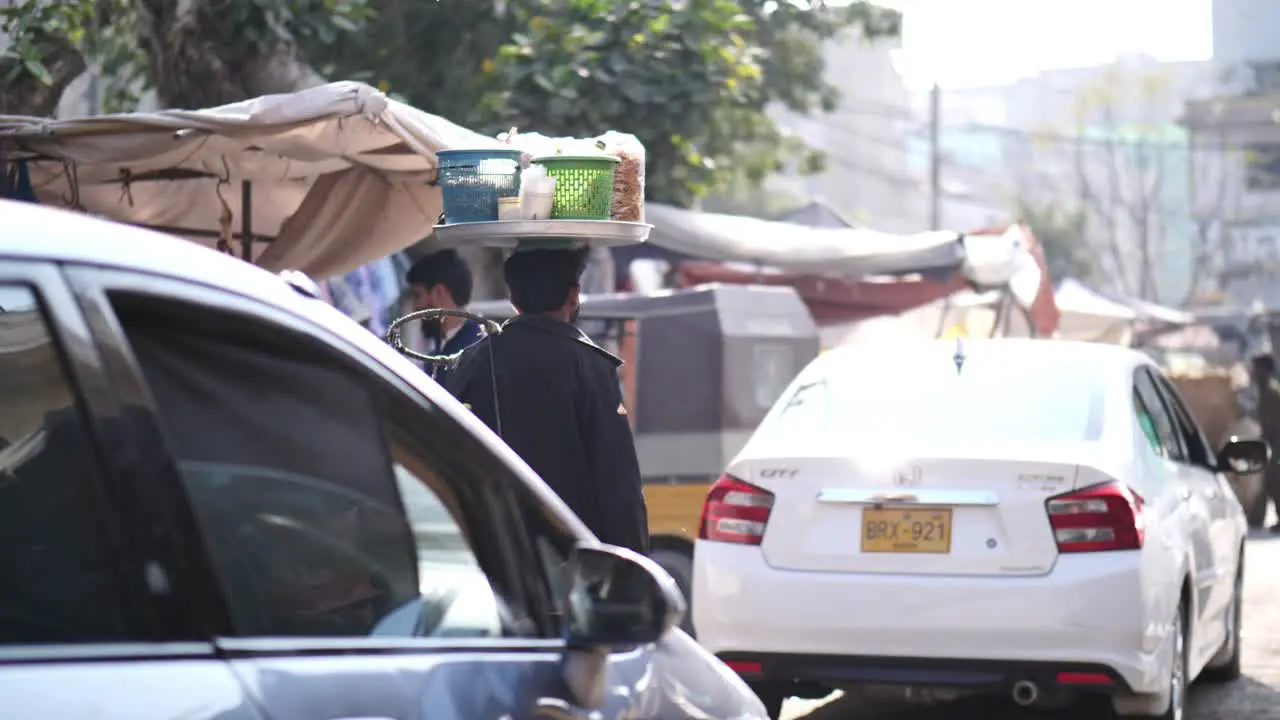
[
  {"x": 966, "y": 171},
  {"x": 918, "y": 124}
]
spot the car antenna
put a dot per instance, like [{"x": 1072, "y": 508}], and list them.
[{"x": 958, "y": 358}]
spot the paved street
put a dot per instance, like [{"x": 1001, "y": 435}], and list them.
[{"x": 1255, "y": 696}]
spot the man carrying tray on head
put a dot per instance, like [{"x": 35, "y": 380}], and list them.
[{"x": 559, "y": 404}]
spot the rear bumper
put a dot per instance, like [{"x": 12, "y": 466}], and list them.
[
  {"x": 1087, "y": 613},
  {"x": 975, "y": 675}
]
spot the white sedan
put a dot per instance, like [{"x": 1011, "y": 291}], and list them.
[{"x": 1038, "y": 518}]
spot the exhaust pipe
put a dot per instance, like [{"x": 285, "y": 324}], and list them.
[{"x": 1025, "y": 693}]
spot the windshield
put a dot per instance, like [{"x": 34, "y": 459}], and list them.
[{"x": 984, "y": 402}]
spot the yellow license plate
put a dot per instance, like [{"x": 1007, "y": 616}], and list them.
[{"x": 914, "y": 530}]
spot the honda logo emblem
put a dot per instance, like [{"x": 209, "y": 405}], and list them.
[{"x": 907, "y": 477}]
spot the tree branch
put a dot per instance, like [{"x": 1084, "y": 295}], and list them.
[
  {"x": 28, "y": 94},
  {"x": 1104, "y": 210},
  {"x": 202, "y": 57}
]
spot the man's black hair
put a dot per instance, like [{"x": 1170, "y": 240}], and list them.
[
  {"x": 540, "y": 280},
  {"x": 446, "y": 268},
  {"x": 1264, "y": 361}
]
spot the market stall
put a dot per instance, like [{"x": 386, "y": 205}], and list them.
[
  {"x": 323, "y": 180},
  {"x": 861, "y": 274}
]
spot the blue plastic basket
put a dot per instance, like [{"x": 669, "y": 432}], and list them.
[{"x": 471, "y": 181}]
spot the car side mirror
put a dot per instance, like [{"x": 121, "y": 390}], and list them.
[
  {"x": 1244, "y": 457},
  {"x": 618, "y": 599}
]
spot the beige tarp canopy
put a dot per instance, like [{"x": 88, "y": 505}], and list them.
[
  {"x": 338, "y": 175},
  {"x": 1089, "y": 316}
]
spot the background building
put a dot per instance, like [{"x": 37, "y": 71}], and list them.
[
  {"x": 865, "y": 142},
  {"x": 1234, "y": 177}
]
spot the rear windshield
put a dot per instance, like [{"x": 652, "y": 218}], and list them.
[{"x": 984, "y": 402}]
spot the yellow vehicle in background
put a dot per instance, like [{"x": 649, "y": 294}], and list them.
[{"x": 702, "y": 367}]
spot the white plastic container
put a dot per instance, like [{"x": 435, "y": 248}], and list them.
[
  {"x": 537, "y": 191},
  {"x": 537, "y": 205}
]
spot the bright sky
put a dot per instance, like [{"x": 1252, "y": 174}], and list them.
[{"x": 968, "y": 43}]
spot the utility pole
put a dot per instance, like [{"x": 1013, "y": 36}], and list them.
[
  {"x": 935, "y": 159},
  {"x": 93, "y": 94}
]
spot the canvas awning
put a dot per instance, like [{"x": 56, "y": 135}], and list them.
[
  {"x": 789, "y": 247},
  {"x": 1073, "y": 297},
  {"x": 1003, "y": 258},
  {"x": 1154, "y": 313},
  {"x": 334, "y": 176},
  {"x": 1092, "y": 317},
  {"x": 816, "y": 214}
]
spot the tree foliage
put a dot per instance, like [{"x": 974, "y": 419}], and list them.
[
  {"x": 194, "y": 54},
  {"x": 432, "y": 55},
  {"x": 741, "y": 197},
  {"x": 691, "y": 78}
]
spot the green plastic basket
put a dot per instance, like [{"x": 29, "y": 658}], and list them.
[{"x": 584, "y": 185}]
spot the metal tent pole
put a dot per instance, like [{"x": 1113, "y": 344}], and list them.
[
  {"x": 942, "y": 318},
  {"x": 1002, "y": 308},
  {"x": 246, "y": 220}
]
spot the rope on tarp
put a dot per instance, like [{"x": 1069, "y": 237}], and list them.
[
  {"x": 448, "y": 361},
  {"x": 225, "y": 217},
  {"x": 72, "y": 172}
]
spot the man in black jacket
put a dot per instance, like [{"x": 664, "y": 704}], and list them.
[{"x": 558, "y": 399}]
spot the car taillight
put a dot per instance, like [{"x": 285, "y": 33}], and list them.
[
  {"x": 735, "y": 512},
  {"x": 1101, "y": 517}
]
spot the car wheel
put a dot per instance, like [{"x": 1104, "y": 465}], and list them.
[
  {"x": 680, "y": 566},
  {"x": 1169, "y": 704},
  {"x": 1225, "y": 666},
  {"x": 1178, "y": 674},
  {"x": 773, "y": 698}
]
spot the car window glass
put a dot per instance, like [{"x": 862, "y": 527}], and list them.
[
  {"x": 457, "y": 598},
  {"x": 886, "y": 398},
  {"x": 536, "y": 539},
  {"x": 316, "y": 523},
  {"x": 1147, "y": 424},
  {"x": 1198, "y": 452},
  {"x": 445, "y": 472},
  {"x": 1170, "y": 438},
  {"x": 59, "y": 581},
  {"x": 553, "y": 543}
]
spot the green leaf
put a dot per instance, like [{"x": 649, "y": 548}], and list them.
[
  {"x": 344, "y": 23},
  {"x": 38, "y": 70}
]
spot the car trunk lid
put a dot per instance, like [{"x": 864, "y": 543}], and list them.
[{"x": 945, "y": 512}]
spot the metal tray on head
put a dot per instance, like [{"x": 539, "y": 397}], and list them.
[{"x": 533, "y": 234}]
